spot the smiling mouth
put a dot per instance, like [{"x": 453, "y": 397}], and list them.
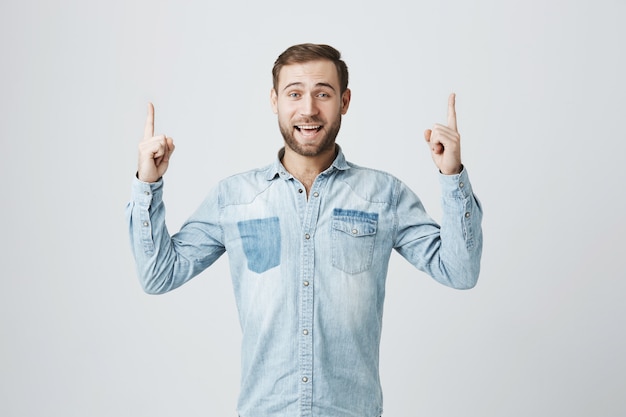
[{"x": 308, "y": 129}]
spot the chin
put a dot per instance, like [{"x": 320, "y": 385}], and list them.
[{"x": 310, "y": 149}]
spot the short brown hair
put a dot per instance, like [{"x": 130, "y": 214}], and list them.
[{"x": 307, "y": 52}]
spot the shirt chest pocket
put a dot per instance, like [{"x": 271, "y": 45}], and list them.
[
  {"x": 353, "y": 237},
  {"x": 260, "y": 239}
]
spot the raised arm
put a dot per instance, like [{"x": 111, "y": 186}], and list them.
[
  {"x": 450, "y": 253},
  {"x": 165, "y": 262}
]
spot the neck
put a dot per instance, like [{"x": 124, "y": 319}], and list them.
[{"x": 307, "y": 168}]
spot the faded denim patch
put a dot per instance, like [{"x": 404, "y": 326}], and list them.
[
  {"x": 353, "y": 237},
  {"x": 261, "y": 243}
]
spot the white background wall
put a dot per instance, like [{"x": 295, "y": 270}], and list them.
[{"x": 540, "y": 93}]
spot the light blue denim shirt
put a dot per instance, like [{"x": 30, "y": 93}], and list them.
[{"x": 309, "y": 274}]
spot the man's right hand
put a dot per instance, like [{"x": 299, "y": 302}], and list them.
[{"x": 154, "y": 152}]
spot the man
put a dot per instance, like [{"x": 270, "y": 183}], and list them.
[{"x": 309, "y": 239}]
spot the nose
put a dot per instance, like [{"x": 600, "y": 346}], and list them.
[{"x": 308, "y": 106}]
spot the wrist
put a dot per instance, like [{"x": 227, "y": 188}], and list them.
[
  {"x": 452, "y": 172},
  {"x": 147, "y": 180}
]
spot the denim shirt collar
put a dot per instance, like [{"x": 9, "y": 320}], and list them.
[{"x": 278, "y": 170}]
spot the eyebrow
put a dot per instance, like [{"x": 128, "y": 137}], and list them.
[{"x": 299, "y": 84}]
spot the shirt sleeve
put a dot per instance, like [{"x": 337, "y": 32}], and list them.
[
  {"x": 166, "y": 262},
  {"x": 450, "y": 252}
]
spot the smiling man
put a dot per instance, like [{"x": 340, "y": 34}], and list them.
[
  {"x": 309, "y": 101},
  {"x": 308, "y": 240}
]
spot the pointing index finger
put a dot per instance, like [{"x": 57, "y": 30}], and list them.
[
  {"x": 149, "y": 128},
  {"x": 452, "y": 112}
]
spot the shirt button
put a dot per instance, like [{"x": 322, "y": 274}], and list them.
[
  {"x": 467, "y": 214},
  {"x": 355, "y": 232},
  {"x": 305, "y": 332},
  {"x": 307, "y": 236},
  {"x": 147, "y": 192},
  {"x": 316, "y": 194},
  {"x": 146, "y": 224},
  {"x": 305, "y": 379},
  {"x": 300, "y": 190},
  {"x": 461, "y": 185},
  {"x": 306, "y": 283}
]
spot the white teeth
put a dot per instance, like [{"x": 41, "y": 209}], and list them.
[{"x": 308, "y": 127}]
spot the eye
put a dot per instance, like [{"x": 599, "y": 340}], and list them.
[
  {"x": 323, "y": 95},
  {"x": 293, "y": 95}
]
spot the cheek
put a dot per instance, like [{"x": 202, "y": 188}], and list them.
[
  {"x": 284, "y": 112},
  {"x": 284, "y": 119}
]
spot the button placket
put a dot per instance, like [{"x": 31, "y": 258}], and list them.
[{"x": 309, "y": 225}]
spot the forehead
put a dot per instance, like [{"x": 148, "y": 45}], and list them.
[{"x": 309, "y": 73}]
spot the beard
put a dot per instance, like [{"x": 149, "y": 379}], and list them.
[{"x": 324, "y": 144}]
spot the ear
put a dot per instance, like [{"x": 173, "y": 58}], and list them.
[
  {"x": 274, "y": 101},
  {"x": 345, "y": 100}
]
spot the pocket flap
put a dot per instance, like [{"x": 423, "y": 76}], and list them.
[{"x": 355, "y": 223}]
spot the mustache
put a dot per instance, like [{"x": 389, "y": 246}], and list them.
[{"x": 309, "y": 121}]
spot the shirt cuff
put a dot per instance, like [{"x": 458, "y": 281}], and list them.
[
  {"x": 146, "y": 193},
  {"x": 456, "y": 185}
]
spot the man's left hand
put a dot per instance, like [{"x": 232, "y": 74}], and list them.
[{"x": 445, "y": 142}]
